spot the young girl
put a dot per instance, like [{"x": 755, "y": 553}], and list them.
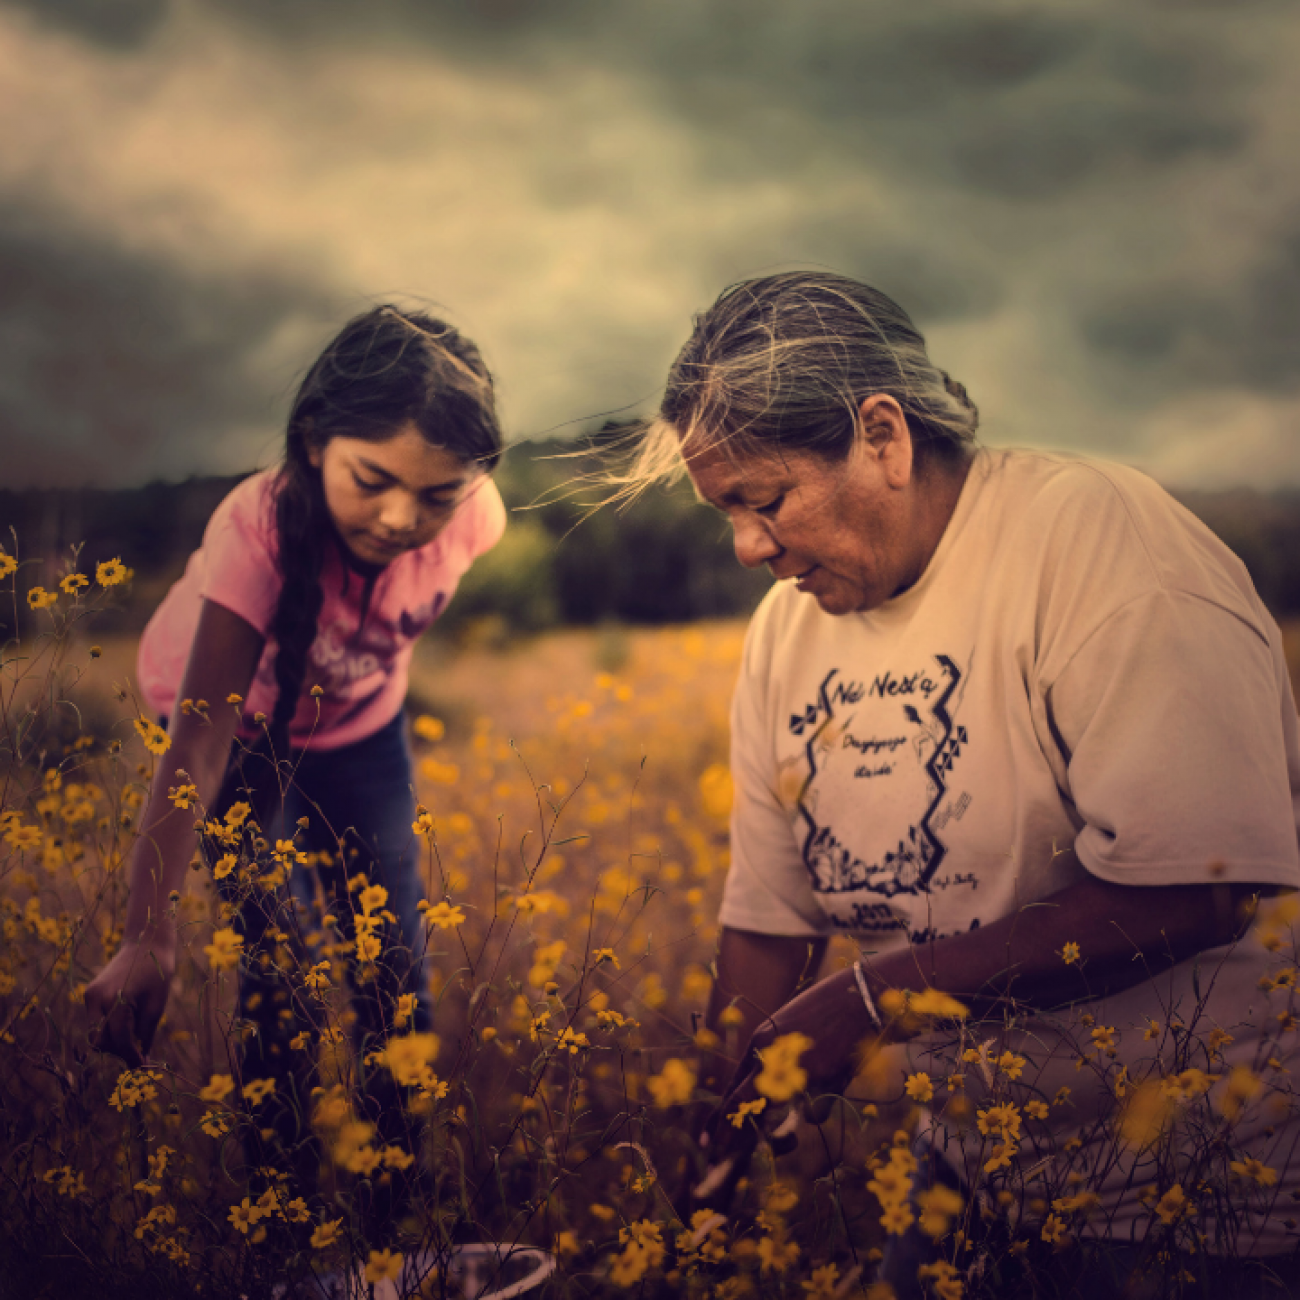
[{"x": 296, "y": 620}]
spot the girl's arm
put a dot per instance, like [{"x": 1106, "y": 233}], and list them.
[{"x": 130, "y": 993}]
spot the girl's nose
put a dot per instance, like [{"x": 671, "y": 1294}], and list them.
[
  {"x": 755, "y": 545},
  {"x": 399, "y": 512}
]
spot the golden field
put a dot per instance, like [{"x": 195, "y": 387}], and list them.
[{"x": 577, "y": 796}]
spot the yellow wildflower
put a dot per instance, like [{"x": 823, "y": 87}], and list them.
[
  {"x": 225, "y": 949},
  {"x": 1011, "y": 1065},
  {"x": 1242, "y": 1086},
  {"x": 674, "y": 1085},
  {"x": 217, "y": 1088},
  {"x": 409, "y": 1058},
  {"x": 156, "y": 740},
  {"x": 39, "y": 598},
  {"x": 937, "y": 1005},
  {"x": 897, "y": 1218},
  {"x": 755, "y": 1107},
  {"x": 1070, "y": 953},
  {"x": 1249, "y": 1167},
  {"x": 429, "y": 728},
  {"x": 941, "y": 1275},
  {"x": 938, "y": 1205},
  {"x": 109, "y": 573},
  {"x": 572, "y": 1041},
  {"x": 1104, "y": 1037},
  {"x": 384, "y": 1266},
  {"x": 257, "y": 1091},
  {"x": 244, "y": 1215},
  {"x": 821, "y": 1284},
  {"x": 1172, "y": 1206},
  {"x": 24, "y": 837},
  {"x": 782, "y": 1076},
  {"x": 919, "y": 1087},
  {"x": 183, "y": 795},
  {"x": 326, "y": 1234},
  {"x": 216, "y": 1124},
  {"x": 776, "y": 1254},
  {"x": 717, "y": 790},
  {"x": 1053, "y": 1229},
  {"x": 442, "y": 916}
]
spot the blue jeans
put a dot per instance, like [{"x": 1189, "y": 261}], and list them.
[{"x": 359, "y": 806}]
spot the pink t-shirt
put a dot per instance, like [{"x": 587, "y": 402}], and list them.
[{"x": 362, "y": 666}]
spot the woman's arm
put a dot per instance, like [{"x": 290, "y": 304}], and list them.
[
  {"x": 757, "y": 974},
  {"x": 130, "y": 993},
  {"x": 1125, "y": 933}
]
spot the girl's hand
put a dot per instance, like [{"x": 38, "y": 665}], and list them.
[
  {"x": 832, "y": 1018},
  {"x": 127, "y": 998}
]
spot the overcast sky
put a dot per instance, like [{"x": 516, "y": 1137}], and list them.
[{"x": 1091, "y": 209}]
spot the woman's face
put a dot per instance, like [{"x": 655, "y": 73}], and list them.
[
  {"x": 387, "y": 498},
  {"x": 848, "y": 532}
]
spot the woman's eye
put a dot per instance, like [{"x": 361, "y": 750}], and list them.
[
  {"x": 769, "y": 508},
  {"x": 365, "y": 485}
]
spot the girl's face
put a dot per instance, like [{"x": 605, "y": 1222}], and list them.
[{"x": 386, "y": 498}]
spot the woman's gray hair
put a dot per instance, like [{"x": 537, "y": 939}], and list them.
[{"x": 784, "y": 362}]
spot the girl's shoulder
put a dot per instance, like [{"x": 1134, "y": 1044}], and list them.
[
  {"x": 475, "y": 528},
  {"x": 248, "y": 511}
]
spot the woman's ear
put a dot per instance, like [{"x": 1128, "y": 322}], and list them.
[{"x": 883, "y": 427}]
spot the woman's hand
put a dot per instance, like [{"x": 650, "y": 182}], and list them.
[
  {"x": 127, "y": 998},
  {"x": 834, "y": 1020}
]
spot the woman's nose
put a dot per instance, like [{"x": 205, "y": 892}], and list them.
[{"x": 755, "y": 545}]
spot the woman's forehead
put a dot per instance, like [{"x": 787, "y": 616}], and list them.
[{"x": 722, "y": 472}]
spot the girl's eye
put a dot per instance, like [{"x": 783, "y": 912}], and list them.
[
  {"x": 365, "y": 485},
  {"x": 770, "y": 508}
]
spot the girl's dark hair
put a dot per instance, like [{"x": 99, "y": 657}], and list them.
[
  {"x": 784, "y": 362},
  {"x": 385, "y": 369}
]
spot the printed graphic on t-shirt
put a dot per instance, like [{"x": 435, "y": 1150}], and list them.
[{"x": 883, "y": 751}]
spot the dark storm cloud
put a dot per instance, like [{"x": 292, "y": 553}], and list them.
[
  {"x": 1086, "y": 204},
  {"x": 115, "y": 24},
  {"x": 108, "y": 357},
  {"x": 1188, "y": 335}
]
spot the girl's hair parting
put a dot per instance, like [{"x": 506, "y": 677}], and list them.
[
  {"x": 385, "y": 369},
  {"x": 784, "y": 362}
]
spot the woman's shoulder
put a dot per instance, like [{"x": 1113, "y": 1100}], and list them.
[{"x": 1113, "y": 527}]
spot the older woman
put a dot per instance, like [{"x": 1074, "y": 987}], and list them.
[{"x": 1000, "y": 708}]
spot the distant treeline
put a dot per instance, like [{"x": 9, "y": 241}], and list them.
[{"x": 563, "y": 561}]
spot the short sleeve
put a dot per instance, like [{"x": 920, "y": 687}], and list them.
[
  {"x": 489, "y": 518},
  {"x": 767, "y": 889},
  {"x": 1176, "y": 748},
  {"x": 240, "y": 572},
  {"x": 477, "y": 527}
]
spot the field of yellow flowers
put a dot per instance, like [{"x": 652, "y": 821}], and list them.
[{"x": 573, "y": 796}]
